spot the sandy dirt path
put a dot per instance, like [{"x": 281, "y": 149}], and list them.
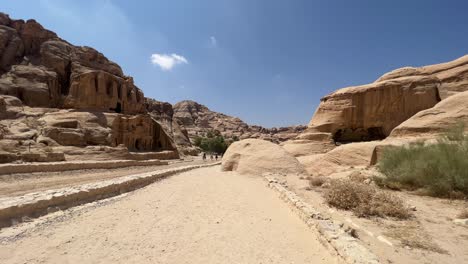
[
  {"x": 201, "y": 216},
  {"x": 19, "y": 184}
]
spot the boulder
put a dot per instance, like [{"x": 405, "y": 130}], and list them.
[
  {"x": 33, "y": 85},
  {"x": 431, "y": 122},
  {"x": 257, "y": 157},
  {"x": 11, "y": 47},
  {"x": 342, "y": 158}
]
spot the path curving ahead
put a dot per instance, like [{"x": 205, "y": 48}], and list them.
[{"x": 200, "y": 216}]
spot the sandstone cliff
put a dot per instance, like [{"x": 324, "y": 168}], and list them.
[
  {"x": 402, "y": 106},
  {"x": 199, "y": 119},
  {"x": 163, "y": 112},
  {"x": 62, "y": 101}
]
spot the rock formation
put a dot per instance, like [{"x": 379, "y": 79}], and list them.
[
  {"x": 257, "y": 157},
  {"x": 43, "y": 70},
  {"x": 62, "y": 101},
  {"x": 402, "y": 106},
  {"x": 443, "y": 116},
  {"x": 198, "y": 120},
  {"x": 164, "y": 114}
]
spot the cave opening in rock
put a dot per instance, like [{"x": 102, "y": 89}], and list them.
[
  {"x": 96, "y": 84},
  {"x": 118, "y": 108},
  {"x": 137, "y": 144},
  {"x": 348, "y": 135},
  {"x": 65, "y": 85}
]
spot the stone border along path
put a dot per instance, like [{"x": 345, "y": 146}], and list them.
[
  {"x": 332, "y": 235},
  {"x": 74, "y": 165},
  {"x": 14, "y": 210}
]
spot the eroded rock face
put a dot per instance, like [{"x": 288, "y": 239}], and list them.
[
  {"x": 199, "y": 119},
  {"x": 81, "y": 134},
  {"x": 370, "y": 112},
  {"x": 453, "y": 75},
  {"x": 434, "y": 121},
  {"x": 33, "y": 85},
  {"x": 107, "y": 114},
  {"x": 140, "y": 133},
  {"x": 257, "y": 157},
  {"x": 36, "y": 63},
  {"x": 164, "y": 114},
  {"x": 401, "y": 107}
]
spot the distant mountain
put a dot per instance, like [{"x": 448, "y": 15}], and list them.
[{"x": 198, "y": 119}]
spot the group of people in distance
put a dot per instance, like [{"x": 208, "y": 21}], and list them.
[{"x": 211, "y": 156}]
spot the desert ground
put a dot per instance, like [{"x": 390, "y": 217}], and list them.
[
  {"x": 200, "y": 216},
  {"x": 22, "y": 183}
]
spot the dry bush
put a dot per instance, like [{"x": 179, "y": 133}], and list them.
[
  {"x": 317, "y": 181},
  {"x": 463, "y": 214},
  {"x": 365, "y": 200}
]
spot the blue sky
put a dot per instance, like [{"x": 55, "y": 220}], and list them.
[{"x": 268, "y": 62}]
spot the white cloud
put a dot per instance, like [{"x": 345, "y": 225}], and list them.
[
  {"x": 214, "y": 41},
  {"x": 167, "y": 61}
]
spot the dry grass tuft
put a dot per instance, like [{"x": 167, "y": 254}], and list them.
[
  {"x": 463, "y": 214},
  {"x": 317, "y": 181},
  {"x": 413, "y": 236},
  {"x": 365, "y": 200}
]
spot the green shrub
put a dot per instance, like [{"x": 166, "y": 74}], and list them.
[
  {"x": 213, "y": 142},
  {"x": 440, "y": 169}
]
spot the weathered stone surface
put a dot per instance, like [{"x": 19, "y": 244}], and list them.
[
  {"x": 103, "y": 91},
  {"x": 342, "y": 158},
  {"x": 141, "y": 133},
  {"x": 256, "y": 157},
  {"x": 400, "y": 107},
  {"x": 453, "y": 75},
  {"x": 370, "y": 112},
  {"x": 161, "y": 111},
  {"x": 443, "y": 116},
  {"x": 199, "y": 119},
  {"x": 34, "y": 85},
  {"x": 11, "y": 47},
  {"x": 40, "y": 70},
  {"x": 43, "y": 70},
  {"x": 32, "y": 34},
  {"x": 164, "y": 114}
]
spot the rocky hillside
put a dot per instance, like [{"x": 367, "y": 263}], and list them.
[
  {"x": 352, "y": 125},
  {"x": 59, "y": 101},
  {"x": 163, "y": 112},
  {"x": 199, "y": 119}
]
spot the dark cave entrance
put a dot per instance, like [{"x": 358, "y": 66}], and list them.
[
  {"x": 118, "y": 108},
  {"x": 348, "y": 135},
  {"x": 137, "y": 144}
]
